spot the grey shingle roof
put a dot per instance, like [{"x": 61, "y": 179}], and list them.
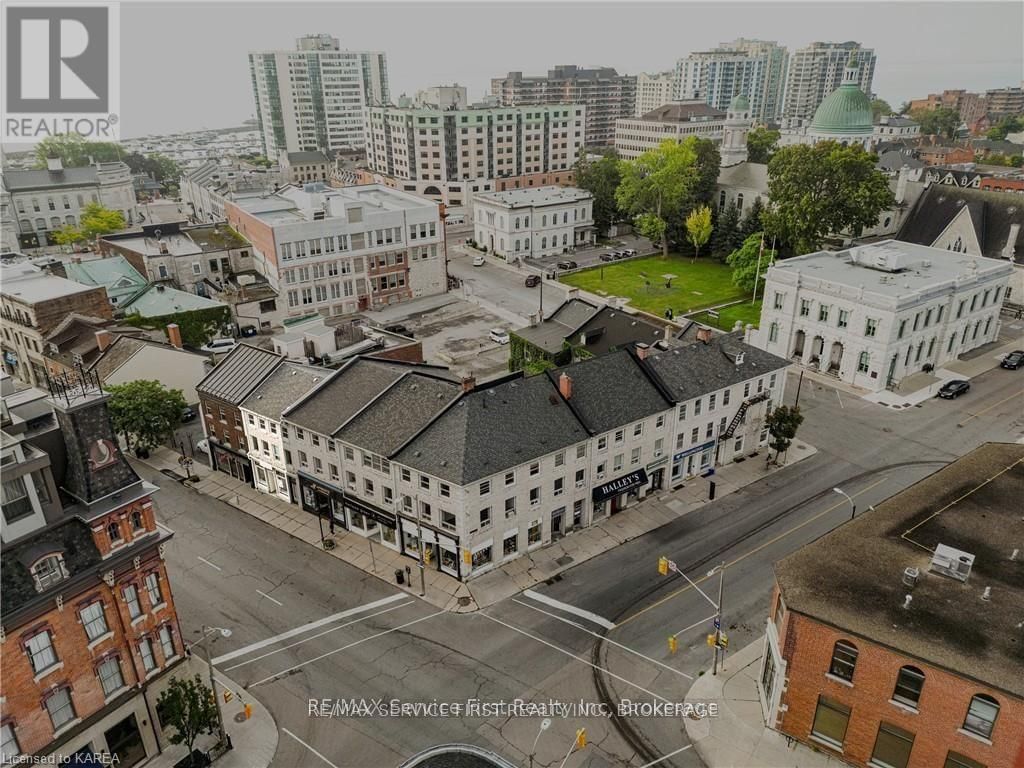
[
  {"x": 489, "y": 430},
  {"x": 16, "y": 180},
  {"x": 694, "y": 370},
  {"x": 303, "y": 158},
  {"x": 611, "y": 391},
  {"x": 612, "y": 328},
  {"x": 238, "y": 373},
  {"x": 399, "y": 413},
  {"x": 344, "y": 394},
  {"x": 289, "y": 382}
]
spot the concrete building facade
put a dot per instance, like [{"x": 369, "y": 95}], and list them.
[
  {"x": 312, "y": 98},
  {"x": 528, "y": 223},
  {"x": 653, "y": 91},
  {"x": 817, "y": 69},
  {"x": 679, "y": 120}
]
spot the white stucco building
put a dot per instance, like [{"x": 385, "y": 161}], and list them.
[
  {"x": 653, "y": 91},
  {"x": 872, "y": 315},
  {"x": 526, "y": 223}
]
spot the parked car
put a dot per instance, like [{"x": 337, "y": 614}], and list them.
[
  {"x": 203, "y": 446},
  {"x": 566, "y": 265},
  {"x": 499, "y": 336},
  {"x": 953, "y": 389},
  {"x": 247, "y": 331},
  {"x": 478, "y": 261},
  {"x": 219, "y": 346},
  {"x": 187, "y": 414},
  {"x": 607, "y": 257},
  {"x": 629, "y": 252},
  {"x": 532, "y": 281},
  {"x": 619, "y": 255},
  {"x": 1014, "y": 360}
]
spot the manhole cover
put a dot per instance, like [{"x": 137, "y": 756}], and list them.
[{"x": 464, "y": 601}]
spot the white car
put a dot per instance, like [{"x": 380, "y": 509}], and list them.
[
  {"x": 499, "y": 336},
  {"x": 203, "y": 446},
  {"x": 219, "y": 346},
  {"x": 478, "y": 261}
]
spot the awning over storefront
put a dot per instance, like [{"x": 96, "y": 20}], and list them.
[
  {"x": 620, "y": 485},
  {"x": 694, "y": 449},
  {"x": 347, "y": 500}
]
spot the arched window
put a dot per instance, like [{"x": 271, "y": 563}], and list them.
[
  {"x": 543, "y": 243},
  {"x": 114, "y": 532},
  {"x": 844, "y": 660},
  {"x": 739, "y": 201},
  {"x": 862, "y": 362},
  {"x": 565, "y": 217},
  {"x": 981, "y": 715},
  {"x": 48, "y": 570},
  {"x": 773, "y": 332},
  {"x": 565, "y": 241},
  {"x": 136, "y": 520},
  {"x": 909, "y": 683},
  {"x": 41, "y": 224},
  {"x": 544, "y": 220},
  {"x": 517, "y": 222}
]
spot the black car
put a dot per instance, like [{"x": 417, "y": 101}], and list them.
[
  {"x": 187, "y": 414},
  {"x": 400, "y": 329},
  {"x": 247, "y": 331},
  {"x": 1014, "y": 360},
  {"x": 954, "y": 388},
  {"x": 532, "y": 281}
]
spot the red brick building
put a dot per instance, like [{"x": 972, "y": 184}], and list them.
[
  {"x": 89, "y": 629},
  {"x": 893, "y": 641}
]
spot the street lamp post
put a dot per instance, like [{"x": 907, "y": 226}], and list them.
[
  {"x": 853, "y": 506},
  {"x": 419, "y": 535},
  {"x": 221, "y": 733},
  {"x": 544, "y": 725},
  {"x": 718, "y": 615}
]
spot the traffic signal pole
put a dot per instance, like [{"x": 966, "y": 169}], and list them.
[{"x": 718, "y": 620}]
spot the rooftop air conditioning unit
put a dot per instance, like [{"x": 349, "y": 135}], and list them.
[{"x": 952, "y": 562}]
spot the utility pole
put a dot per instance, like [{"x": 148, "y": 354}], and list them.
[
  {"x": 221, "y": 733},
  {"x": 718, "y": 619}
]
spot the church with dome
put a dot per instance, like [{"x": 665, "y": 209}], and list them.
[{"x": 844, "y": 117}]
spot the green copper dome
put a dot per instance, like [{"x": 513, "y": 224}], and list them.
[{"x": 847, "y": 109}]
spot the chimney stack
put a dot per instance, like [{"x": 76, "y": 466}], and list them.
[
  {"x": 468, "y": 383},
  {"x": 565, "y": 385},
  {"x": 704, "y": 335},
  {"x": 642, "y": 351},
  {"x": 174, "y": 335},
  {"x": 54, "y": 164},
  {"x": 103, "y": 339},
  {"x": 668, "y": 333}
]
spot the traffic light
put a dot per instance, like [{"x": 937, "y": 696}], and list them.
[
  {"x": 673, "y": 644},
  {"x": 723, "y": 641},
  {"x": 663, "y": 566},
  {"x": 581, "y": 738}
]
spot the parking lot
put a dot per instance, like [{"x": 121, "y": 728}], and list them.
[{"x": 588, "y": 257}]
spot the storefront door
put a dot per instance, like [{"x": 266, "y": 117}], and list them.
[
  {"x": 657, "y": 479},
  {"x": 556, "y": 523},
  {"x": 125, "y": 741}
]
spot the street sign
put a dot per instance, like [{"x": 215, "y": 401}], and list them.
[
  {"x": 672, "y": 566},
  {"x": 718, "y": 623}
]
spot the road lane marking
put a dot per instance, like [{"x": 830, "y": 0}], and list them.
[
  {"x": 269, "y": 597},
  {"x": 840, "y": 399},
  {"x": 666, "y": 757},
  {"x": 285, "y": 730},
  {"x": 353, "y": 644},
  {"x": 755, "y": 550},
  {"x": 308, "y": 627},
  {"x": 203, "y": 559},
  {"x": 989, "y": 408},
  {"x": 583, "y": 614},
  {"x": 573, "y": 656},
  {"x": 602, "y": 637},
  {"x": 319, "y": 634}
]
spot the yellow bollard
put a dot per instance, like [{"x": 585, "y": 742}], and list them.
[{"x": 248, "y": 710}]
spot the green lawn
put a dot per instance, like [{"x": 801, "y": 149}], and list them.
[
  {"x": 696, "y": 285},
  {"x": 727, "y": 317}
]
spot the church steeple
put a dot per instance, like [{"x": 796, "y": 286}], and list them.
[
  {"x": 734, "y": 134},
  {"x": 850, "y": 74}
]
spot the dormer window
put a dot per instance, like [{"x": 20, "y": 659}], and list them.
[
  {"x": 137, "y": 521},
  {"x": 114, "y": 532},
  {"x": 49, "y": 570}
]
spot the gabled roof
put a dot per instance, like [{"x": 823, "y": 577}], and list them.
[
  {"x": 114, "y": 273},
  {"x": 993, "y": 215},
  {"x": 611, "y": 328},
  {"x": 694, "y": 370},
  {"x": 746, "y": 174},
  {"x": 124, "y": 347},
  {"x": 492, "y": 429},
  {"x": 285, "y": 386},
  {"x": 611, "y": 391},
  {"x": 684, "y": 112},
  {"x": 239, "y": 373}
]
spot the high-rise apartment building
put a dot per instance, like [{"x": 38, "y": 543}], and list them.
[
  {"x": 312, "y": 98},
  {"x": 605, "y": 93},
  {"x": 653, "y": 91},
  {"x": 448, "y": 155},
  {"x": 751, "y": 68},
  {"x": 1004, "y": 101},
  {"x": 817, "y": 70}
]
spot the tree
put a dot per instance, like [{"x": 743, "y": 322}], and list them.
[
  {"x": 1008, "y": 124},
  {"x": 74, "y": 151},
  {"x": 822, "y": 189},
  {"x": 726, "y": 238},
  {"x": 782, "y": 424},
  {"x": 95, "y": 221},
  {"x": 752, "y": 221},
  {"x": 761, "y": 144},
  {"x": 600, "y": 178},
  {"x": 656, "y": 186},
  {"x": 880, "y": 108},
  {"x": 941, "y": 121},
  {"x": 157, "y": 166},
  {"x": 189, "y": 706},
  {"x": 698, "y": 228},
  {"x": 744, "y": 262},
  {"x": 145, "y": 410}
]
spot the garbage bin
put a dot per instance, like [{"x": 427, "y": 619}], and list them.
[{"x": 399, "y": 577}]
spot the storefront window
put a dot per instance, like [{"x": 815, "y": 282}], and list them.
[
  {"x": 533, "y": 534},
  {"x": 387, "y": 535},
  {"x": 511, "y": 545},
  {"x": 481, "y": 557}
]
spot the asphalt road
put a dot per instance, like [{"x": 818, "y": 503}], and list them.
[{"x": 230, "y": 570}]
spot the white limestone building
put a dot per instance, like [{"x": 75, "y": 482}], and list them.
[
  {"x": 653, "y": 91},
  {"x": 678, "y": 120},
  {"x": 872, "y": 315},
  {"x": 527, "y": 223}
]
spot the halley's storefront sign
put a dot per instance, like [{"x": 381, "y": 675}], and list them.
[{"x": 620, "y": 485}]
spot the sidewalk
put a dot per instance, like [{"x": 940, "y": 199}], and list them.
[
  {"x": 447, "y": 592},
  {"x": 254, "y": 740},
  {"x": 738, "y": 737}
]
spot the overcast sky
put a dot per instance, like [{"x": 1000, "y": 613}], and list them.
[{"x": 184, "y": 65}]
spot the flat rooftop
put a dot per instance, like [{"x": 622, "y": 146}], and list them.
[
  {"x": 890, "y": 268},
  {"x": 552, "y": 195},
  {"x": 852, "y": 578},
  {"x": 295, "y": 204},
  {"x": 28, "y": 284}
]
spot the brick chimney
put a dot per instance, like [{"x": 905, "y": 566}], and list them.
[
  {"x": 704, "y": 335},
  {"x": 468, "y": 383},
  {"x": 103, "y": 339},
  {"x": 642, "y": 350},
  {"x": 565, "y": 385},
  {"x": 174, "y": 335}
]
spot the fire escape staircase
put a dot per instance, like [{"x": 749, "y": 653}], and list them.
[{"x": 741, "y": 414}]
